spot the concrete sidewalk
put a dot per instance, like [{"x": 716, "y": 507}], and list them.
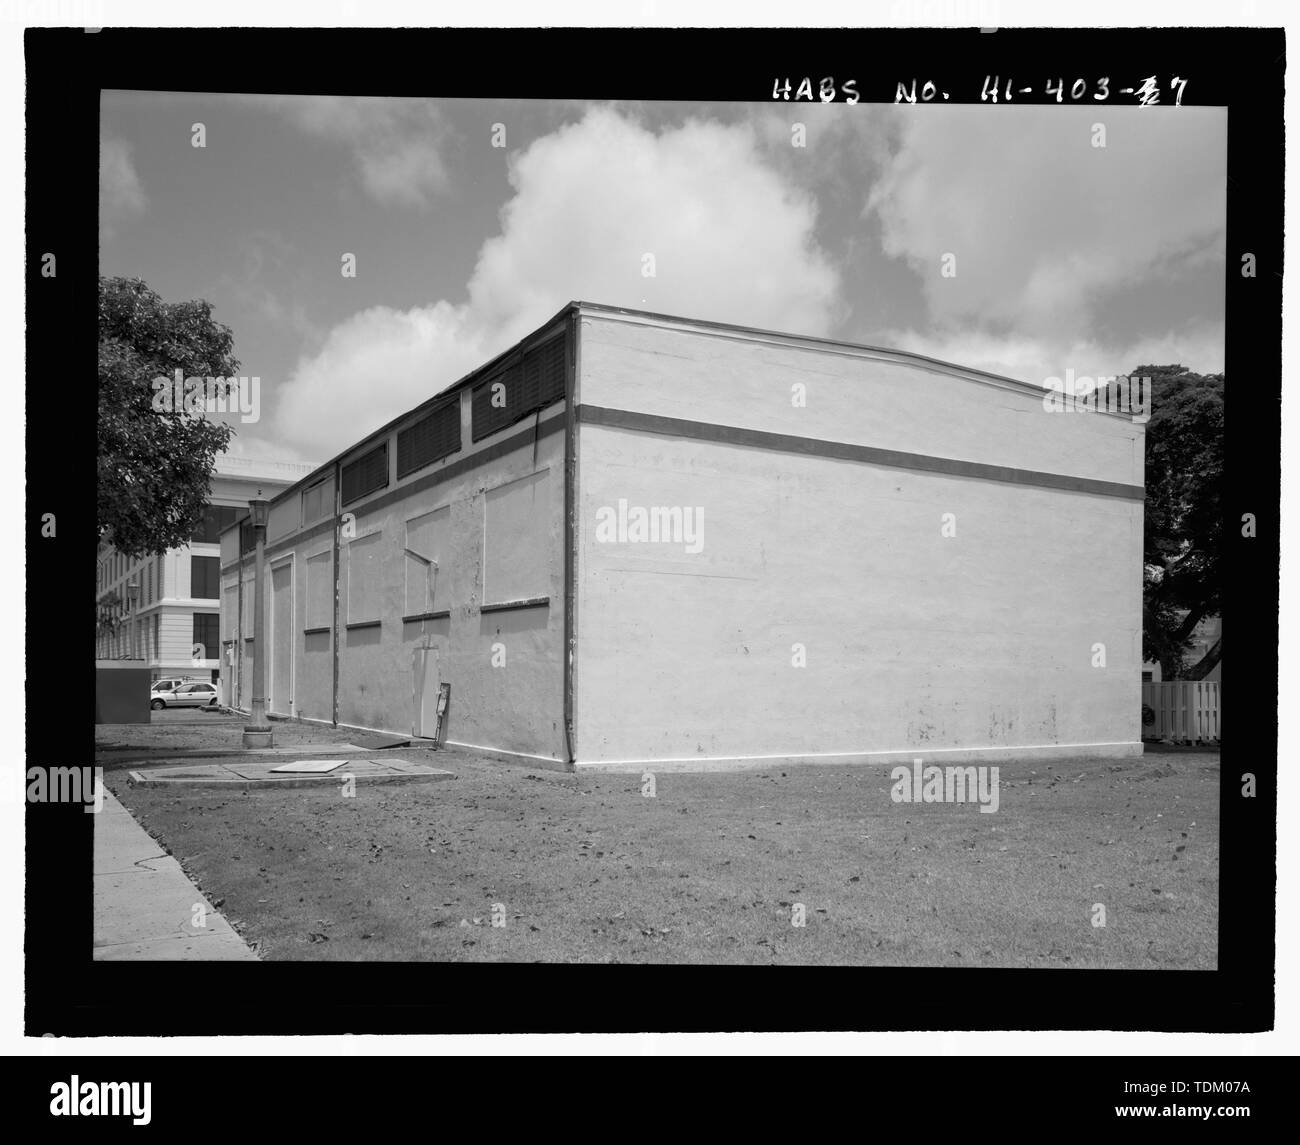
[{"x": 145, "y": 904}]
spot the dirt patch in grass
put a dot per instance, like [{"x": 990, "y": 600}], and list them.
[{"x": 714, "y": 867}]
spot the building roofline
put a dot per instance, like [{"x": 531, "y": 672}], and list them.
[
  {"x": 441, "y": 395},
  {"x": 703, "y": 325},
  {"x": 257, "y": 468},
  {"x": 813, "y": 342}
]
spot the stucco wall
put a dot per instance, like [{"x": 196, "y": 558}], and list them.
[
  {"x": 499, "y": 502},
  {"x": 313, "y": 692},
  {"x": 912, "y": 641},
  {"x": 514, "y": 704}
]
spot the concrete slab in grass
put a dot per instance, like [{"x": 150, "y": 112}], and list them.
[
  {"x": 260, "y": 773},
  {"x": 308, "y": 767},
  {"x": 148, "y": 754}
]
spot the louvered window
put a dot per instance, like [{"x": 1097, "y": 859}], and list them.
[
  {"x": 520, "y": 387},
  {"x": 366, "y": 474},
  {"x": 433, "y": 437},
  {"x": 317, "y": 501}
]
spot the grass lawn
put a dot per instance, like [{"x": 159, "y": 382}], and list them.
[{"x": 709, "y": 870}]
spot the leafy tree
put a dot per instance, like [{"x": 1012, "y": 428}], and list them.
[
  {"x": 108, "y": 614},
  {"x": 1182, "y": 543},
  {"x": 154, "y": 465}
]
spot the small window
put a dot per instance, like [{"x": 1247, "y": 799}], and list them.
[
  {"x": 204, "y": 577},
  {"x": 215, "y": 519},
  {"x": 497, "y": 402},
  {"x": 544, "y": 371},
  {"x": 433, "y": 437},
  {"x": 317, "y": 501},
  {"x": 1147, "y": 678},
  {"x": 206, "y": 626},
  {"x": 366, "y": 474},
  {"x": 519, "y": 387}
]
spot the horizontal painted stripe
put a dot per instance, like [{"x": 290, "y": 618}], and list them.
[
  {"x": 846, "y": 451},
  {"x": 505, "y": 605},
  {"x": 378, "y": 502},
  {"x": 463, "y": 464}
]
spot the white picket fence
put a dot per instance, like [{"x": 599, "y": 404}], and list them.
[{"x": 1185, "y": 710}]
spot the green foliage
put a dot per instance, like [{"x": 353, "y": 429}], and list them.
[
  {"x": 1183, "y": 534},
  {"x": 154, "y": 466},
  {"x": 108, "y": 614}
]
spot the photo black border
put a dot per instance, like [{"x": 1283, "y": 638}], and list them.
[{"x": 69, "y": 994}]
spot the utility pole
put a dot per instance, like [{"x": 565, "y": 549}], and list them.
[
  {"x": 132, "y": 591},
  {"x": 258, "y": 733}
]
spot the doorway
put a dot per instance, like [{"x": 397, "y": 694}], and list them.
[
  {"x": 280, "y": 699},
  {"x": 424, "y": 720}
]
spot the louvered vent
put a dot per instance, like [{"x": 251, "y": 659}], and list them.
[
  {"x": 529, "y": 383},
  {"x": 434, "y": 436},
  {"x": 366, "y": 474}
]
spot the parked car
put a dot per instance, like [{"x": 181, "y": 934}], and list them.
[
  {"x": 170, "y": 684},
  {"x": 185, "y": 696}
]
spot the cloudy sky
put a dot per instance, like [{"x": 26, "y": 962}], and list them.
[{"x": 1067, "y": 255}]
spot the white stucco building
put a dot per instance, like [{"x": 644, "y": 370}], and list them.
[
  {"x": 176, "y": 615},
  {"x": 634, "y": 540}
]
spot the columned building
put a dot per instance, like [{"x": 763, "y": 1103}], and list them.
[{"x": 173, "y": 622}]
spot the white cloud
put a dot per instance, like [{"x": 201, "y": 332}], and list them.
[
  {"x": 1199, "y": 347},
  {"x": 120, "y": 192},
  {"x": 1043, "y": 224},
  {"x": 396, "y": 144},
  {"x": 244, "y": 444},
  {"x": 372, "y": 367},
  {"x": 731, "y": 240}
]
